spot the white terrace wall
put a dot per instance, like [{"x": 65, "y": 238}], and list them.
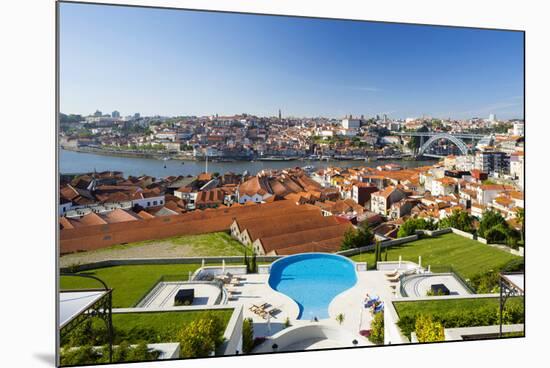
[
  {"x": 384, "y": 244},
  {"x": 233, "y": 334},
  {"x": 156, "y": 261}
]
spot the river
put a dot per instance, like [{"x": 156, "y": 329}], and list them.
[{"x": 78, "y": 162}]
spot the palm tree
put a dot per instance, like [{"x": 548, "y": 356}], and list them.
[{"x": 340, "y": 318}]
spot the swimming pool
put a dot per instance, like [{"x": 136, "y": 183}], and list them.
[{"x": 312, "y": 280}]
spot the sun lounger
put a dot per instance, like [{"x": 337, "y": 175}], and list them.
[
  {"x": 371, "y": 301},
  {"x": 394, "y": 279},
  {"x": 379, "y": 308},
  {"x": 254, "y": 308},
  {"x": 234, "y": 282},
  {"x": 268, "y": 311},
  {"x": 392, "y": 274}
]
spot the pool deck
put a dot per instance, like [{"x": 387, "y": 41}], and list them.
[{"x": 254, "y": 289}]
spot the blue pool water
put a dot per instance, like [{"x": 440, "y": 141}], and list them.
[{"x": 312, "y": 280}]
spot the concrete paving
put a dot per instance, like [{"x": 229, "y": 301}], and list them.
[
  {"x": 418, "y": 285},
  {"x": 163, "y": 295}
]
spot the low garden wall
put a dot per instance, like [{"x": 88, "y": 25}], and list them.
[
  {"x": 150, "y": 261},
  {"x": 384, "y": 244}
]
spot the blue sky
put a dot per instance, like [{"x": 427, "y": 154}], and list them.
[{"x": 175, "y": 62}]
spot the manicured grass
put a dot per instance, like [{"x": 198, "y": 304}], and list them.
[
  {"x": 468, "y": 257},
  {"x": 212, "y": 244},
  {"x": 159, "y": 327},
  {"x": 148, "y": 327},
  {"x": 452, "y": 313},
  {"x": 129, "y": 283},
  {"x": 436, "y": 307}
]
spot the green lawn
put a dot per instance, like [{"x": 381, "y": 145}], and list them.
[
  {"x": 450, "y": 305},
  {"x": 129, "y": 283},
  {"x": 211, "y": 244},
  {"x": 453, "y": 313},
  {"x": 149, "y": 327},
  {"x": 159, "y": 327},
  {"x": 467, "y": 257}
]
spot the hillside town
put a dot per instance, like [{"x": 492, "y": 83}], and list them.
[
  {"x": 313, "y": 208},
  {"x": 248, "y": 137}
]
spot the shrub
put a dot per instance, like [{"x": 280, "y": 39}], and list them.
[
  {"x": 377, "y": 329},
  {"x": 410, "y": 226},
  {"x": 489, "y": 220},
  {"x": 201, "y": 337},
  {"x": 248, "y": 335},
  {"x": 460, "y": 220},
  {"x": 80, "y": 356},
  {"x": 497, "y": 234},
  {"x": 355, "y": 238},
  {"x": 427, "y": 330},
  {"x": 488, "y": 282},
  {"x": 483, "y": 316},
  {"x": 430, "y": 292},
  {"x": 121, "y": 352},
  {"x": 287, "y": 322}
]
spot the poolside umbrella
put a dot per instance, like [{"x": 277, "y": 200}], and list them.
[
  {"x": 223, "y": 265},
  {"x": 189, "y": 276},
  {"x": 399, "y": 262},
  {"x": 203, "y": 263},
  {"x": 419, "y": 261},
  {"x": 429, "y": 266}
]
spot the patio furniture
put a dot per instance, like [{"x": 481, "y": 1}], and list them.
[
  {"x": 371, "y": 301},
  {"x": 378, "y": 308},
  {"x": 394, "y": 279},
  {"x": 234, "y": 282},
  {"x": 365, "y": 333},
  {"x": 268, "y": 311},
  {"x": 392, "y": 274},
  {"x": 231, "y": 276},
  {"x": 254, "y": 308},
  {"x": 184, "y": 297}
]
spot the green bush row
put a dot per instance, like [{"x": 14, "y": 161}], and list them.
[{"x": 483, "y": 316}]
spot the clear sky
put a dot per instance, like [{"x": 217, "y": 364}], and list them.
[{"x": 176, "y": 62}]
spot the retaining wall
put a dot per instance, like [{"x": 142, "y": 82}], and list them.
[{"x": 150, "y": 261}]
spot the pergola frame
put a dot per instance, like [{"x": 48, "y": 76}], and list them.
[
  {"x": 102, "y": 308},
  {"x": 507, "y": 289}
]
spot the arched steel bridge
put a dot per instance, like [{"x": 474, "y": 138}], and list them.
[{"x": 456, "y": 138}]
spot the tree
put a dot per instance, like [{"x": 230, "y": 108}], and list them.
[
  {"x": 427, "y": 330},
  {"x": 201, "y": 337},
  {"x": 410, "y": 226},
  {"x": 356, "y": 238},
  {"x": 248, "y": 335},
  {"x": 488, "y": 220},
  {"x": 246, "y": 261},
  {"x": 253, "y": 263},
  {"x": 460, "y": 220},
  {"x": 520, "y": 216},
  {"x": 340, "y": 318},
  {"x": 377, "y": 253},
  {"x": 377, "y": 329}
]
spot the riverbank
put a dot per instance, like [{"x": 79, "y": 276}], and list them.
[
  {"x": 77, "y": 162},
  {"x": 126, "y": 153}
]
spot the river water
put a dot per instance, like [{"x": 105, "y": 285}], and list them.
[{"x": 78, "y": 162}]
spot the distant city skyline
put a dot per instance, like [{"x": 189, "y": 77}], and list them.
[{"x": 176, "y": 63}]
